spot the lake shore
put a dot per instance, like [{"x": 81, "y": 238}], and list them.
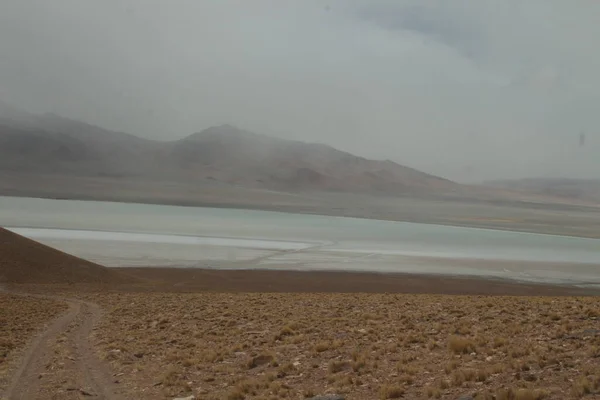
[
  {"x": 278, "y": 281},
  {"x": 553, "y": 216}
]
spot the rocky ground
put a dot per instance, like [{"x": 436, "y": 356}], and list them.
[{"x": 359, "y": 346}]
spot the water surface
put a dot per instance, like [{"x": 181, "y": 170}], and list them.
[{"x": 120, "y": 234}]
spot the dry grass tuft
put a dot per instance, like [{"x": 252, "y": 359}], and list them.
[
  {"x": 461, "y": 345},
  {"x": 391, "y": 392},
  {"x": 365, "y": 346}
]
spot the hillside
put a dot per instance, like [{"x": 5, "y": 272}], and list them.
[
  {"x": 587, "y": 190},
  {"x": 25, "y": 261},
  {"x": 234, "y": 156},
  {"x": 51, "y": 144},
  {"x": 223, "y": 155}
]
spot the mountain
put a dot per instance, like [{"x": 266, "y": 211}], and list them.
[
  {"x": 227, "y": 154},
  {"x": 49, "y": 143},
  {"x": 26, "y": 261},
  {"x": 224, "y": 155},
  {"x": 587, "y": 190}
]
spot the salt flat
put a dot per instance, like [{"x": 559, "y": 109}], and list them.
[{"x": 122, "y": 235}]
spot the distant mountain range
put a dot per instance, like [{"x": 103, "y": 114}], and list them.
[
  {"x": 587, "y": 190},
  {"x": 51, "y": 156},
  {"x": 51, "y": 144}
]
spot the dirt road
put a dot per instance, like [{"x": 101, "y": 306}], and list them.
[{"x": 60, "y": 364}]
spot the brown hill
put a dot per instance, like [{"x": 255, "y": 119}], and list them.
[{"x": 25, "y": 261}]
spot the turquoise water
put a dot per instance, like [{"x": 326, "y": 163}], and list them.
[{"x": 330, "y": 242}]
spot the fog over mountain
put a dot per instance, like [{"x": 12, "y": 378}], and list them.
[
  {"x": 45, "y": 145},
  {"x": 469, "y": 91}
]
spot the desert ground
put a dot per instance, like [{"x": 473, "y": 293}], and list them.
[
  {"x": 165, "y": 334},
  {"x": 361, "y": 346},
  {"x": 226, "y": 344}
]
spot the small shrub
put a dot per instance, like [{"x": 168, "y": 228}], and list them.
[
  {"x": 391, "y": 392},
  {"x": 338, "y": 366},
  {"x": 461, "y": 345}
]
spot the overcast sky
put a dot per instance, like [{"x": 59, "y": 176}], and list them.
[{"x": 468, "y": 90}]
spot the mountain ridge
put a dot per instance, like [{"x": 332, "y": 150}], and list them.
[{"x": 53, "y": 144}]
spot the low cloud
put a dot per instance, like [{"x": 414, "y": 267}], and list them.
[{"x": 467, "y": 90}]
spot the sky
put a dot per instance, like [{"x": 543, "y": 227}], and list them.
[{"x": 469, "y": 90}]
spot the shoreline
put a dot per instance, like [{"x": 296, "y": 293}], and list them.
[
  {"x": 164, "y": 279},
  {"x": 551, "y": 230}
]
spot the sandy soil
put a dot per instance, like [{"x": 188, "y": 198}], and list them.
[{"x": 195, "y": 280}]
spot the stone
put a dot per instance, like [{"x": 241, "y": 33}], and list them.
[
  {"x": 587, "y": 333},
  {"x": 328, "y": 397},
  {"x": 591, "y": 332},
  {"x": 529, "y": 377},
  {"x": 86, "y": 392},
  {"x": 192, "y": 397},
  {"x": 260, "y": 360}
]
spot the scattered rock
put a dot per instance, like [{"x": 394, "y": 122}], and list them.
[
  {"x": 466, "y": 397},
  {"x": 192, "y": 397},
  {"x": 586, "y": 333},
  {"x": 529, "y": 377},
  {"x": 139, "y": 354},
  {"x": 260, "y": 360},
  {"x": 328, "y": 397},
  {"x": 85, "y": 392}
]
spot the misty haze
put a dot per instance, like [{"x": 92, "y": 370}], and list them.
[
  {"x": 470, "y": 92},
  {"x": 326, "y": 200}
]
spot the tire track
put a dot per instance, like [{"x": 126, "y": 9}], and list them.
[{"x": 36, "y": 377}]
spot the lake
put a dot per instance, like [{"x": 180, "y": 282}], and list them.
[{"x": 120, "y": 234}]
